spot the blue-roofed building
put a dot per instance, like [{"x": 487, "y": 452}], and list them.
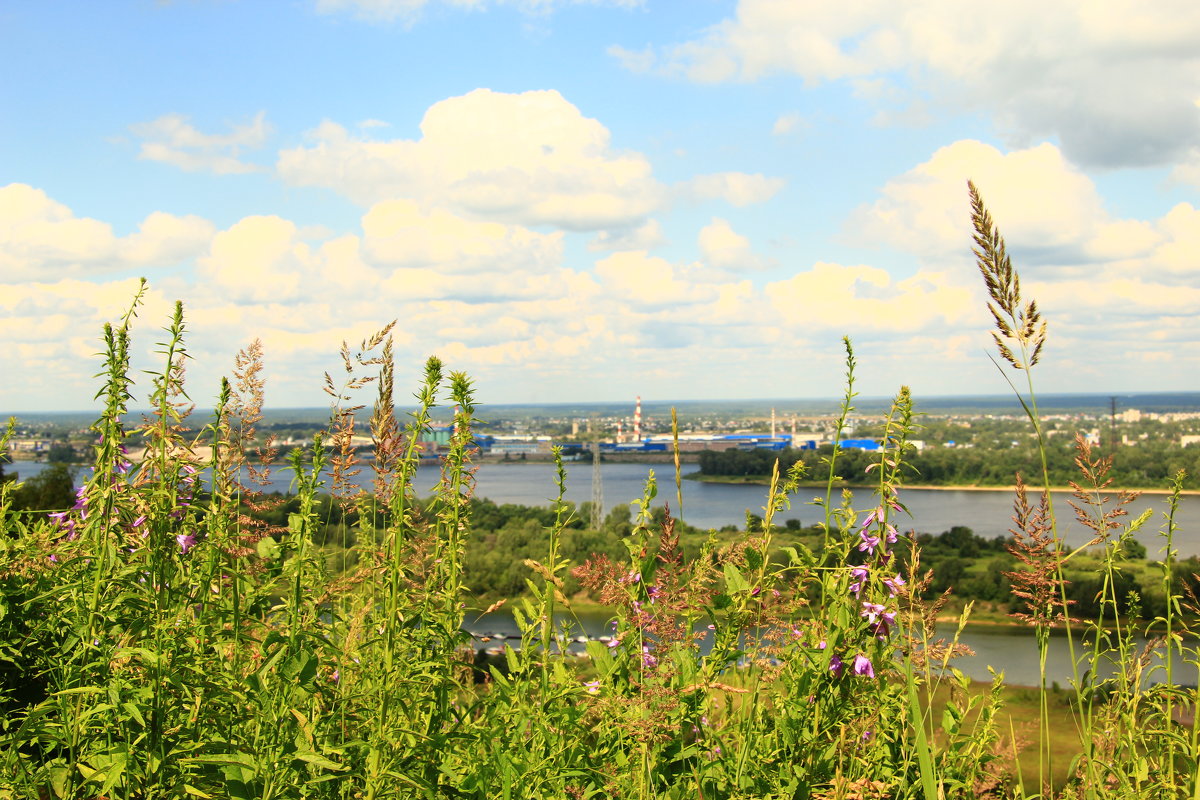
[{"x": 869, "y": 445}]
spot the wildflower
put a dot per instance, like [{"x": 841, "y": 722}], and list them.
[
  {"x": 876, "y": 514},
  {"x": 892, "y": 535},
  {"x": 186, "y": 542},
  {"x": 613, "y": 643},
  {"x": 139, "y": 522},
  {"x": 862, "y": 666},
  {"x": 871, "y": 611},
  {"x": 867, "y": 735},
  {"x": 654, "y": 592},
  {"x": 859, "y": 574},
  {"x": 894, "y": 584},
  {"x": 837, "y": 666},
  {"x": 868, "y": 543},
  {"x": 593, "y": 687},
  {"x": 880, "y": 619},
  {"x": 649, "y": 661}
]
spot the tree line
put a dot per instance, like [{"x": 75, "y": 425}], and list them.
[{"x": 1147, "y": 465}]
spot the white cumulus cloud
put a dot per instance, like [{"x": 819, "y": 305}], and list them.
[
  {"x": 529, "y": 158},
  {"x": 172, "y": 139},
  {"x": 42, "y": 239},
  {"x": 1045, "y": 208},
  {"x": 724, "y": 248},
  {"x": 1114, "y": 81}
]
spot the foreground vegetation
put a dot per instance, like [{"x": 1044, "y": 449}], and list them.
[{"x": 157, "y": 641}]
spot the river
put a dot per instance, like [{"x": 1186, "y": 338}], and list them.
[{"x": 713, "y": 505}]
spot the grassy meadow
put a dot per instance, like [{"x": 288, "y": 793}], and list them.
[{"x": 156, "y": 641}]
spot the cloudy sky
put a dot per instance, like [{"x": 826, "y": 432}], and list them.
[{"x": 576, "y": 200}]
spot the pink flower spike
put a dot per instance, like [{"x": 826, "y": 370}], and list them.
[
  {"x": 593, "y": 687},
  {"x": 871, "y": 611},
  {"x": 649, "y": 660},
  {"x": 859, "y": 574},
  {"x": 862, "y": 666},
  {"x": 186, "y": 542},
  {"x": 837, "y": 666},
  {"x": 894, "y": 584}
]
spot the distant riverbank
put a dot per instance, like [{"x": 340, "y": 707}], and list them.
[{"x": 761, "y": 480}]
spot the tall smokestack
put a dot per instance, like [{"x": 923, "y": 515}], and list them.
[
  {"x": 637, "y": 420},
  {"x": 772, "y": 423}
]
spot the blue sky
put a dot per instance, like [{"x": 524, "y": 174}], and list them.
[{"x": 596, "y": 200}]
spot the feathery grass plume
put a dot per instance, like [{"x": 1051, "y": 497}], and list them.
[
  {"x": 1033, "y": 545},
  {"x": 1041, "y": 586},
  {"x": 1015, "y": 322},
  {"x": 342, "y": 420},
  {"x": 1090, "y": 501},
  {"x": 247, "y": 411},
  {"x": 244, "y": 405},
  {"x": 385, "y": 429}
]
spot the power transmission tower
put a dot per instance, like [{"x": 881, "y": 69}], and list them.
[
  {"x": 1112, "y": 425},
  {"x": 597, "y": 489}
]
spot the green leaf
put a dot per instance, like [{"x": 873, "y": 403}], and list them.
[
  {"x": 753, "y": 558},
  {"x": 734, "y": 581},
  {"x": 301, "y": 668},
  {"x": 318, "y": 760},
  {"x": 267, "y": 548},
  {"x": 600, "y": 656}
]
